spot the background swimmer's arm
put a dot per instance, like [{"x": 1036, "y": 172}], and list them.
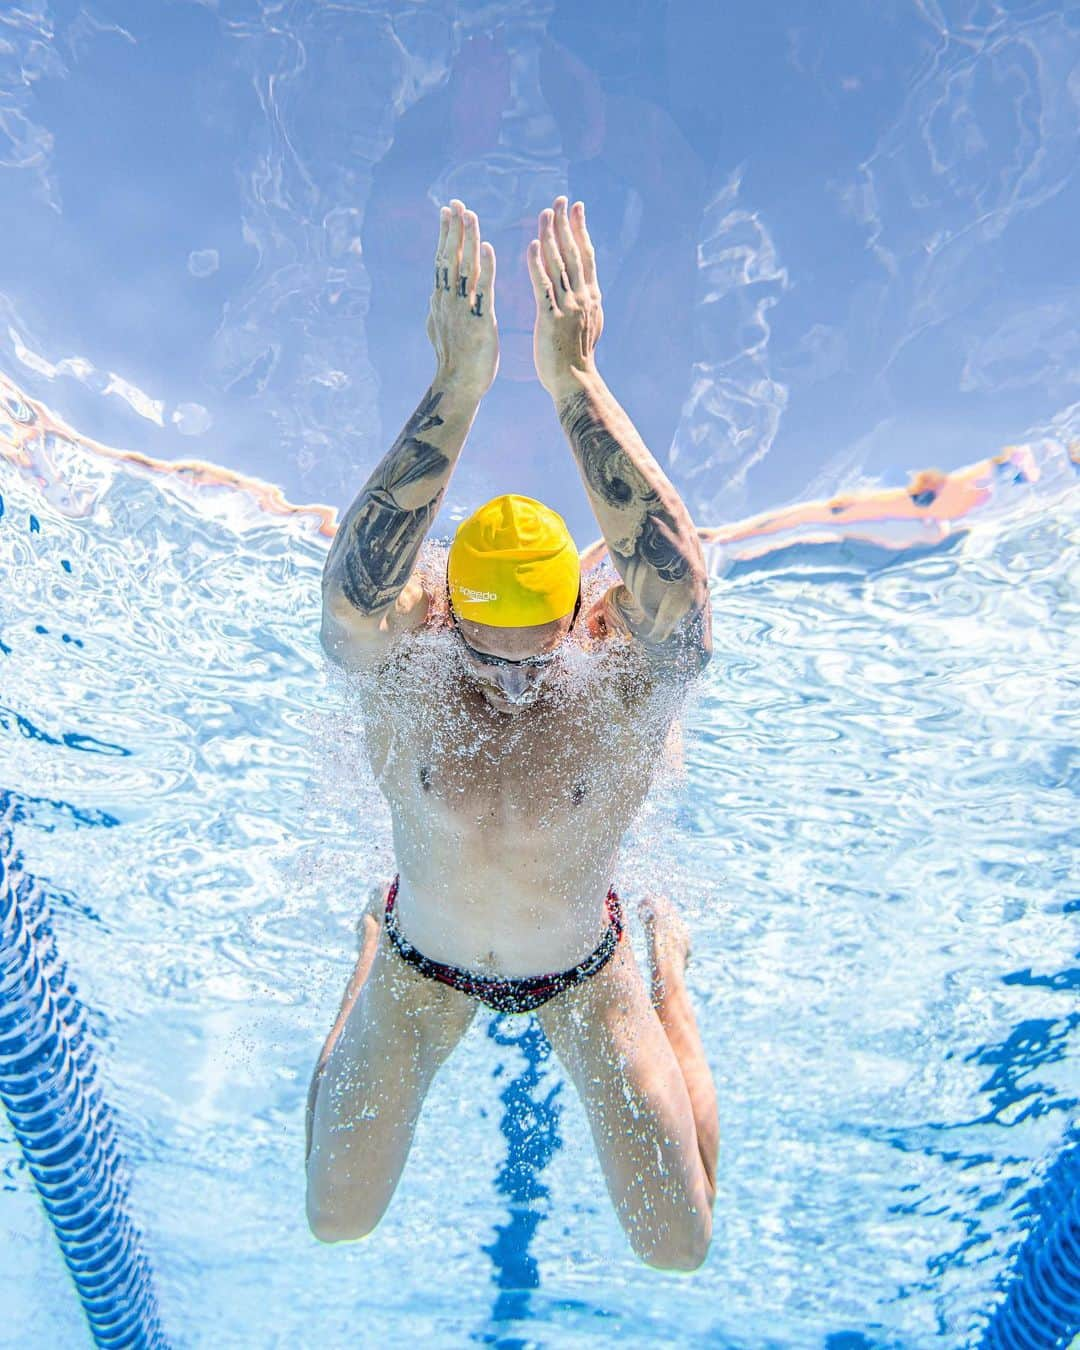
[{"x": 664, "y": 598}]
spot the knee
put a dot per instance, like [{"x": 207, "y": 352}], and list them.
[
  {"x": 330, "y": 1227},
  {"x": 676, "y": 1250},
  {"x": 332, "y": 1221},
  {"x": 676, "y": 1258},
  {"x": 685, "y": 1259}
]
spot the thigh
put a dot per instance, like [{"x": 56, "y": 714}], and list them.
[
  {"x": 402, "y": 1027},
  {"x": 617, "y": 1054}
]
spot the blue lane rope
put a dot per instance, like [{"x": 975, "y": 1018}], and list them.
[
  {"x": 1041, "y": 1307},
  {"x": 50, "y": 1090}
]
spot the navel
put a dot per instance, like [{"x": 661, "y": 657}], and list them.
[
  {"x": 578, "y": 791},
  {"x": 425, "y": 777}
]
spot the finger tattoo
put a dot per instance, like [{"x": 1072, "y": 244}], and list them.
[
  {"x": 463, "y": 285},
  {"x": 477, "y": 306},
  {"x": 446, "y": 278}
]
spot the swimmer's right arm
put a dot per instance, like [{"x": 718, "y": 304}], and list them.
[{"x": 366, "y": 580}]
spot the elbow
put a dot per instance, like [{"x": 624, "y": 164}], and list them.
[
  {"x": 684, "y": 1251},
  {"x": 328, "y": 1226},
  {"x": 689, "y": 1261},
  {"x": 337, "y": 1213},
  {"x": 321, "y": 1222},
  {"x": 324, "y": 1228},
  {"x": 705, "y": 632},
  {"x": 327, "y": 1230},
  {"x": 331, "y": 640},
  {"x": 328, "y": 1221},
  {"x": 698, "y": 654}
]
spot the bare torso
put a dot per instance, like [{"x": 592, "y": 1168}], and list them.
[{"x": 506, "y": 825}]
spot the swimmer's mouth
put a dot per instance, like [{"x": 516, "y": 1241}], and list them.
[{"x": 522, "y": 700}]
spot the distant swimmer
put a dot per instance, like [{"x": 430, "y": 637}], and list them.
[{"x": 514, "y": 746}]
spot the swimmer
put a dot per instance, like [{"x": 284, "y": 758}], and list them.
[{"x": 506, "y": 839}]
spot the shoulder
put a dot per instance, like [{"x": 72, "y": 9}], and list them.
[
  {"x": 352, "y": 638},
  {"x": 677, "y": 641}
]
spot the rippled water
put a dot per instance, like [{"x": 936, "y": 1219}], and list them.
[
  {"x": 874, "y": 841},
  {"x": 836, "y": 244}
]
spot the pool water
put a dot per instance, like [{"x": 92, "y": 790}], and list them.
[{"x": 873, "y": 838}]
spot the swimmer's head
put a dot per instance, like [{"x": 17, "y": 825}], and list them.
[
  {"x": 514, "y": 581},
  {"x": 513, "y": 565}
]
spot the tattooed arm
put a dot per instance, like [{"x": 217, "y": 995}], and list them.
[
  {"x": 664, "y": 597},
  {"x": 369, "y": 591},
  {"x": 366, "y": 580},
  {"x": 653, "y": 543}
]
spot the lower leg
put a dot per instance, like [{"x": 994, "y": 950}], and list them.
[
  {"x": 370, "y": 928},
  {"x": 669, "y": 948}
]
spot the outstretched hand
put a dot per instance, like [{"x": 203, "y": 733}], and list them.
[
  {"x": 461, "y": 321},
  {"x": 569, "y": 313}
]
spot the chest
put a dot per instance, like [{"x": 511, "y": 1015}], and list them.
[{"x": 440, "y": 753}]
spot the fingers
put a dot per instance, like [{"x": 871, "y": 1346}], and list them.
[
  {"x": 464, "y": 266},
  {"x": 584, "y": 244},
  {"x": 550, "y": 254},
  {"x": 542, "y": 287},
  {"x": 567, "y": 245},
  {"x": 484, "y": 300},
  {"x": 470, "y": 253},
  {"x": 452, "y": 261},
  {"x": 448, "y": 251},
  {"x": 565, "y": 249},
  {"x": 442, "y": 250}
]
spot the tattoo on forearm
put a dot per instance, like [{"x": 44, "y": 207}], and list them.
[
  {"x": 650, "y": 546},
  {"x": 608, "y": 469},
  {"x": 653, "y": 534},
  {"x": 661, "y": 547},
  {"x": 377, "y": 544}
]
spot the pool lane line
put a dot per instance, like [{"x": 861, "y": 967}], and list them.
[
  {"x": 51, "y": 1091},
  {"x": 1041, "y": 1305}
]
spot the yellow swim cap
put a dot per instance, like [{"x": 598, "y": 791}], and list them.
[{"x": 513, "y": 564}]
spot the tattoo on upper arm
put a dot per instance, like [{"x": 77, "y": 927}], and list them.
[{"x": 376, "y": 546}]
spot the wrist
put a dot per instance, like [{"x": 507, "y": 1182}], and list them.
[
  {"x": 573, "y": 380},
  {"x": 457, "y": 383}
]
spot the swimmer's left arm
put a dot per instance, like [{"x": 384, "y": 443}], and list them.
[{"x": 654, "y": 544}]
